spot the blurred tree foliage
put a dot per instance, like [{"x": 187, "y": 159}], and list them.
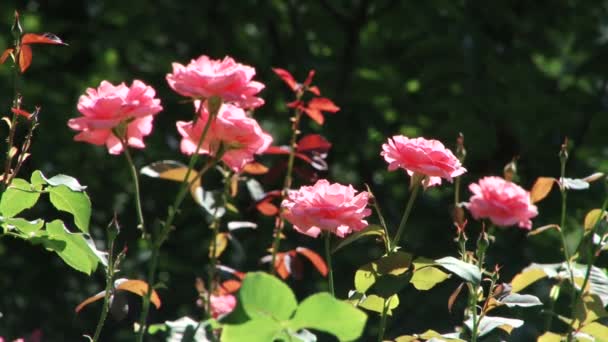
[{"x": 514, "y": 76}]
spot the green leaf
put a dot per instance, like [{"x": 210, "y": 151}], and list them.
[
  {"x": 75, "y": 251},
  {"x": 596, "y": 330},
  {"x": 426, "y": 276},
  {"x": 325, "y": 313},
  {"x": 462, "y": 269},
  {"x": 19, "y": 196},
  {"x": 263, "y": 295},
  {"x": 260, "y": 329},
  {"x": 370, "y": 230},
  {"x": 74, "y": 202},
  {"x": 183, "y": 330},
  {"x": 25, "y": 226},
  {"x": 395, "y": 264},
  {"x": 376, "y": 303},
  {"x": 526, "y": 278},
  {"x": 38, "y": 178},
  {"x": 489, "y": 323},
  {"x": 66, "y": 180}
]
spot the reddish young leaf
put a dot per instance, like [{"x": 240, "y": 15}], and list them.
[
  {"x": 313, "y": 142},
  {"x": 90, "y": 300},
  {"x": 229, "y": 286},
  {"x": 315, "y": 90},
  {"x": 315, "y": 115},
  {"x": 280, "y": 265},
  {"x": 266, "y": 208},
  {"x": 296, "y": 104},
  {"x": 316, "y": 260},
  {"x": 309, "y": 78},
  {"x": 25, "y": 57},
  {"x": 5, "y": 55},
  {"x": 304, "y": 157},
  {"x": 140, "y": 288},
  {"x": 255, "y": 168},
  {"x": 323, "y": 104},
  {"x": 45, "y": 38},
  {"x": 453, "y": 297},
  {"x": 22, "y": 113},
  {"x": 286, "y": 77},
  {"x": 541, "y": 188},
  {"x": 277, "y": 150}
]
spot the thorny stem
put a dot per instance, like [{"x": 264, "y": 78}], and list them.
[
  {"x": 135, "y": 177},
  {"x": 167, "y": 224},
  {"x": 330, "y": 274},
  {"x": 11, "y": 134},
  {"x": 108, "y": 291},
  {"x": 408, "y": 209},
  {"x": 287, "y": 183}
]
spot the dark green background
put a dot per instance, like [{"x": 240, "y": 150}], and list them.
[{"x": 515, "y": 77}]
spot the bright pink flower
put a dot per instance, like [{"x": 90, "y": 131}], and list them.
[
  {"x": 503, "y": 202},
  {"x": 240, "y": 136},
  {"x": 222, "y": 304},
  {"x": 422, "y": 156},
  {"x": 109, "y": 106},
  {"x": 330, "y": 207},
  {"x": 205, "y": 77}
]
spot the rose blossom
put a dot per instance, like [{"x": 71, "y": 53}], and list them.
[
  {"x": 109, "y": 106},
  {"x": 503, "y": 202},
  {"x": 222, "y": 305},
  {"x": 422, "y": 156},
  {"x": 227, "y": 79},
  {"x": 331, "y": 207},
  {"x": 239, "y": 135}
]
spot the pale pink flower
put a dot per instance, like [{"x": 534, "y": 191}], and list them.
[
  {"x": 503, "y": 202},
  {"x": 222, "y": 304},
  {"x": 327, "y": 207},
  {"x": 421, "y": 156},
  {"x": 239, "y": 135},
  {"x": 205, "y": 77},
  {"x": 109, "y": 106}
]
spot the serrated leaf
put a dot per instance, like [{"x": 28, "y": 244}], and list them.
[
  {"x": 426, "y": 276},
  {"x": 371, "y": 230},
  {"x": 68, "y": 181},
  {"x": 462, "y": 269},
  {"x": 74, "y": 249},
  {"x": 376, "y": 303},
  {"x": 20, "y": 195},
  {"x": 74, "y": 202},
  {"x": 325, "y": 313},
  {"x": 541, "y": 188},
  {"x": 263, "y": 295}
]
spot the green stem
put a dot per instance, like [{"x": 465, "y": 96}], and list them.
[
  {"x": 106, "y": 299},
  {"x": 473, "y": 308},
  {"x": 382, "y": 328},
  {"x": 135, "y": 177},
  {"x": 11, "y": 134},
  {"x": 387, "y": 237},
  {"x": 330, "y": 274},
  {"x": 167, "y": 224},
  {"x": 406, "y": 214},
  {"x": 286, "y": 184}
]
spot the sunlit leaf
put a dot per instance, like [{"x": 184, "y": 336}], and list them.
[
  {"x": 315, "y": 259},
  {"x": 138, "y": 287},
  {"x": 68, "y": 181},
  {"x": 593, "y": 217},
  {"x": 589, "y": 310},
  {"x": 286, "y": 77},
  {"x": 260, "y": 329},
  {"x": 323, "y": 104},
  {"x": 376, "y": 303},
  {"x": 313, "y": 142},
  {"x": 25, "y": 226},
  {"x": 371, "y": 230},
  {"x": 221, "y": 242},
  {"x": 574, "y": 184},
  {"x": 266, "y": 208},
  {"x": 175, "y": 171},
  {"x": 315, "y": 115},
  {"x": 229, "y": 286},
  {"x": 462, "y": 269},
  {"x": 255, "y": 168},
  {"x": 76, "y": 203},
  {"x": 20, "y": 195},
  {"x": 394, "y": 264},
  {"x": 521, "y": 300},
  {"x": 541, "y": 188},
  {"x": 235, "y": 225},
  {"x": 90, "y": 300},
  {"x": 489, "y": 323},
  {"x": 71, "y": 247},
  {"x": 262, "y": 295},
  {"x": 596, "y": 329},
  {"x": 526, "y": 278},
  {"x": 426, "y": 275},
  {"x": 25, "y": 57},
  {"x": 5, "y": 55},
  {"x": 45, "y": 38},
  {"x": 550, "y": 337}
]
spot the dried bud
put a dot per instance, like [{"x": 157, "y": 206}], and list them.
[
  {"x": 461, "y": 152},
  {"x": 510, "y": 170},
  {"x": 16, "y": 29}
]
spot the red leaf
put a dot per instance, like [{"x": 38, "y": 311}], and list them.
[
  {"x": 309, "y": 78},
  {"x": 25, "y": 57},
  {"x": 45, "y": 38},
  {"x": 5, "y": 55},
  {"x": 315, "y": 115},
  {"x": 229, "y": 286},
  {"x": 280, "y": 265},
  {"x": 140, "y": 288},
  {"x": 266, "y": 208},
  {"x": 286, "y": 77},
  {"x": 323, "y": 104},
  {"x": 304, "y": 157},
  {"x": 315, "y": 90},
  {"x": 255, "y": 168},
  {"x": 277, "y": 150},
  {"x": 90, "y": 300},
  {"x": 296, "y": 104},
  {"x": 315, "y": 258},
  {"x": 21, "y": 112},
  {"x": 313, "y": 142}
]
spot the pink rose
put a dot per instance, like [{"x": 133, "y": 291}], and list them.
[
  {"x": 331, "y": 207},
  {"x": 222, "y": 304},
  {"x": 240, "y": 136},
  {"x": 109, "y": 106},
  {"x": 503, "y": 202},
  {"x": 205, "y": 77},
  {"x": 422, "y": 156}
]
